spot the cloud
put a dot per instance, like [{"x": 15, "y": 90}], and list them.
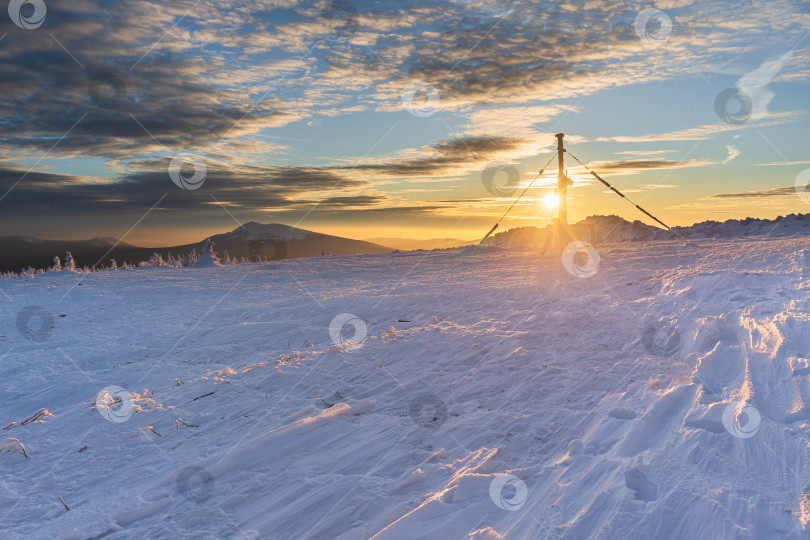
[
  {"x": 644, "y": 152},
  {"x": 637, "y": 166},
  {"x": 782, "y": 163},
  {"x": 774, "y": 192},
  {"x": 658, "y": 186},
  {"x": 703, "y": 132},
  {"x": 256, "y": 187},
  {"x": 755, "y": 84},
  {"x": 451, "y": 157},
  {"x": 732, "y": 154}
]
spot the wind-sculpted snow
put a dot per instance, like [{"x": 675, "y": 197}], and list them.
[{"x": 478, "y": 393}]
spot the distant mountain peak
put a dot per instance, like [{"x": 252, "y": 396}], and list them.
[
  {"x": 270, "y": 231},
  {"x": 102, "y": 241},
  {"x": 28, "y": 239}
]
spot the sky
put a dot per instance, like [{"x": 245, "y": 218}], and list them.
[{"x": 161, "y": 123}]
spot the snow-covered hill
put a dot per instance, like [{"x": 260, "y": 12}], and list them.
[{"x": 477, "y": 394}]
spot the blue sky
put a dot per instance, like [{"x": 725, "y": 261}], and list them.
[{"x": 371, "y": 119}]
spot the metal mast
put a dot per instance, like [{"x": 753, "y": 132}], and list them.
[{"x": 562, "y": 181}]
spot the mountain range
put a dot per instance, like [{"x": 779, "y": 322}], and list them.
[
  {"x": 275, "y": 242},
  {"x": 606, "y": 229},
  {"x": 251, "y": 241}
]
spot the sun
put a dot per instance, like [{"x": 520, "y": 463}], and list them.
[{"x": 551, "y": 200}]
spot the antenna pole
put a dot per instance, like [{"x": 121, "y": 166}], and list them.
[{"x": 562, "y": 181}]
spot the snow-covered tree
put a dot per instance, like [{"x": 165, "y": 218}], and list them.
[
  {"x": 57, "y": 265},
  {"x": 208, "y": 257},
  {"x": 113, "y": 264},
  {"x": 155, "y": 260},
  {"x": 70, "y": 264}
]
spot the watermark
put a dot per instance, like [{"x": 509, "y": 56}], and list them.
[
  {"x": 802, "y": 179},
  {"x": 661, "y": 338},
  {"x": 195, "y": 484},
  {"x": 428, "y": 411},
  {"x": 580, "y": 259},
  {"x": 420, "y": 99},
  {"x": 653, "y": 26},
  {"x": 107, "y": 90},
  {"x": 500, "y": 169},
  {"x": 266, "y": 250},
  {"x": 38, "y": 332},
  {"x": 339, "y": 323},
  {"x": 741, "y": 420},
  {"x": 728, "y": 112},
  {"x": 178, "y": 171},
  {"x": 115, "y": 404},
  {"x": 27, "y": 14},
  {"x": 339, "y": 17},
  {"x": 500, "y": 488}
]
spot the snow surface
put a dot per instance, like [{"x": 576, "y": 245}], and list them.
[{"x": 460, "y": 394}]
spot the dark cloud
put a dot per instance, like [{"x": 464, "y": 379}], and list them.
[
  {"x": 163, "y": 97},
  {"x": 447, "y": 155},
  {"x": 248, "y": 187}
]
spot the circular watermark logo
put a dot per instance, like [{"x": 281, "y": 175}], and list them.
[
  {"x": 661, "y": 338},
  {"x": 508, "y": 492},
  {"x": 115, "y": 404},
  {"x": 802, "y": 180},
  {"x": 653, "y": 26},
  {"x": 35, "y": 331},
  {"x": 181, "y": 175},
  {"x": 728, "y": 112},
  {"x": 500, "y": 179},
  {"x": 338, "y": 325},
  {"x": 420, "y": 99},
  {"x": 195, "y": 484},
  {"x": 741, "y": 420},
  {"x": 428, "y": 410},
  {"x": 339, "y": 17},
  {"x": 580, "y": 259},
  {"x": 107, "y": 90},
  {"x": 27, "y": 14},
  {"x": 266, "y": 250}
]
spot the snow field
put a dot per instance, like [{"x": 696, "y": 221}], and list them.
[{"x": 458, "y": 394}]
